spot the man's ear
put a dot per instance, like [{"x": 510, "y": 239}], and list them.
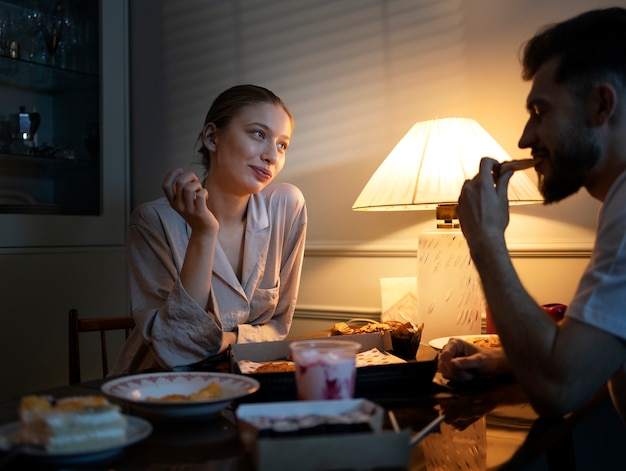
[
  {"x": 209, "y": 136},
  {"x": 603, "y": 103}
]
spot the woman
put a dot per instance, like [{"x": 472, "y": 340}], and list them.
[{"x": 217, "y": 260}]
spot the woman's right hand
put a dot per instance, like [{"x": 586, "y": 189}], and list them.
[{"x": 188, "y": 197}]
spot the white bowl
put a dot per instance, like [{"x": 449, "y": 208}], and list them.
[{"x": 134, "y": 390}]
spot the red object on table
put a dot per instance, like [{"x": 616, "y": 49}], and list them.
[{"x": 555, "y": 310}]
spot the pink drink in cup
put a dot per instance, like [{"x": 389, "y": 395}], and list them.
[{"x": 325, "y": 369}]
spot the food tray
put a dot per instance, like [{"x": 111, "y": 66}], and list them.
[{"x": 404, "y": 381}]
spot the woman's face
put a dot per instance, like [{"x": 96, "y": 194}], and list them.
[{"x": 250, "y": 152}]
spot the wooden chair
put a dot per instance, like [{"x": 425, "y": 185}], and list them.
[{"x": 100, "y": 324}]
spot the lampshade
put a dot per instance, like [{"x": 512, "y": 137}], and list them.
[
  {"x": 430, "y": 164},
  {"x": 426, "y": 170}
]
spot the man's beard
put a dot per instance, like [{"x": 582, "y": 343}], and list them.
[{"x": 578, "y": 153}]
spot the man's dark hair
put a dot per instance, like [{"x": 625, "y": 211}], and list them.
[{"x": 590, "y": 46}]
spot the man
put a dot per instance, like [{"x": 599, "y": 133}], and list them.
[{"x": 577, "y": 133}]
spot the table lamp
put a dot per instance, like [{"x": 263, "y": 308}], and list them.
[{"x": 425, "y": 171}]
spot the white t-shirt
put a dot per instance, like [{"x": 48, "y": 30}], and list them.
[{"x": 600, "y": 299}]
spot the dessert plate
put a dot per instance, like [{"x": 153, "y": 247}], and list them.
[
  {"x": 484, "y": 340},
  {"x": 136, "y": 430},
  {"x": 140, "y": 391}
]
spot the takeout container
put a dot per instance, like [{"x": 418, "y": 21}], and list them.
[
  {"x": 378, "y": 382},
  {"x": 377, "y": 448}
]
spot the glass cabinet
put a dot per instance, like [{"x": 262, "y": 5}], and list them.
[
  {"x": 49, "y": 107},
  {"x": 63, "y": 113}
]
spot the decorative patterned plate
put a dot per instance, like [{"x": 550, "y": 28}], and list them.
[
  {"x": 140, "y": 391},
  {"x": 484, "y": 340}
]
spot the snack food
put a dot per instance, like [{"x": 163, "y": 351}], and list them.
[
  {"x": 369, "y": 326},
  {"x": 275, "y": 367},
  {"x": 405, "y": 337},
  {"x": 312, "y": 424},
  {"x": 70, "y": 424},
  {"x": 515, "y": 165},
  {"x": 211, "y": 391},
  {"x": 372, "y": 357},
  {"x": 490, "y": 341},
  {"x": 405, "y": 340}
]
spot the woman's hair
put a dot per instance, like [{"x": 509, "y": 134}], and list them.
[
  {"x": 590, "y": 46},
  {"x": 229, "y": 103}
]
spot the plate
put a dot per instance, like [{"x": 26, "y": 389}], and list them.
[
  {"x": 439, "y": 343},
  {"x": 136, "y": 389},
  {"x": 136, "y": 430}
]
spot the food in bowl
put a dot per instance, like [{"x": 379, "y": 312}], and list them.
[{"x": 210, "y": 391}]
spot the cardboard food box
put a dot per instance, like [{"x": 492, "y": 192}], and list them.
[
  {"x": 376, "y": 448},
  {"x": 402, "y": 381}
]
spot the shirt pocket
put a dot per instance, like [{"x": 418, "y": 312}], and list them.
[{"x": 263, "y": 305}]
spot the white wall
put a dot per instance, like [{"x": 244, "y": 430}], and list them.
[{"x": 357, "y": 74}]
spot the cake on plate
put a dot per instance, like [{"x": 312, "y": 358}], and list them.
[{"x": 70, "y": 424}]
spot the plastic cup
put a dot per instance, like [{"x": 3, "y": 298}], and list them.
[{"x": 325, "y": 369}]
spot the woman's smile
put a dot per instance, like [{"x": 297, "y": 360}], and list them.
[{"x": 262, "y": 174}]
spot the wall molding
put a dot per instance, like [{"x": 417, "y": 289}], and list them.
[
  {"x": 335, "y": 313},
  {"x": 531, "y": 249}
]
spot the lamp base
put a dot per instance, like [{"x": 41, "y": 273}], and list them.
[{"x": 449, "y": 293}]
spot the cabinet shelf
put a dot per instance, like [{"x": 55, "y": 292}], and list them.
[
  {"x": 49, "y": 185},
  {"x": 43, "y": 78},
  {"x": 21, "y": 161}
]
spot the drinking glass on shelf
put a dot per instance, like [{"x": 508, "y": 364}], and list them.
[
  {"x": 6, "y": 32},
  {"x": 51, "y": 30},
  {"x": 5, "y": 23},
  {"x": 55, "y": 28},
  {"x": 32, "y": 22}
]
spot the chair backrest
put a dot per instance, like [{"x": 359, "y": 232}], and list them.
[{"x": 98, "y": 324}]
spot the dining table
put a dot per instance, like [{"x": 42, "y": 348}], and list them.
[{"x": 480, "y": 425}]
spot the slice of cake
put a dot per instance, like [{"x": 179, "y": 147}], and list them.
[{"x": 70, "y": 424}]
